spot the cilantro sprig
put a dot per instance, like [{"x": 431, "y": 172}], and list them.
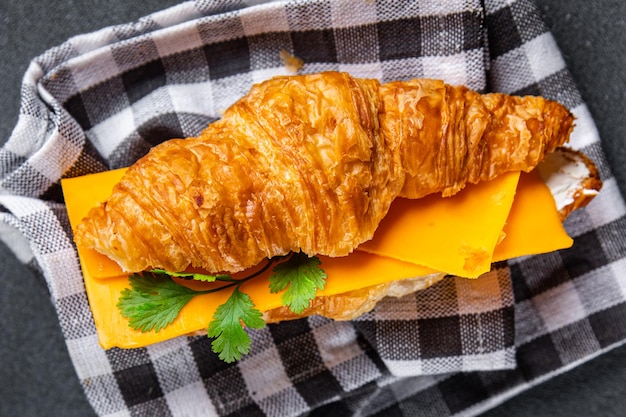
[
  {"x": 155, "y": 299},
  {"x": 299, "y": 277}
]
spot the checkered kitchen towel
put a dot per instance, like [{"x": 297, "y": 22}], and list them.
[{"x": 101, "y": 100}]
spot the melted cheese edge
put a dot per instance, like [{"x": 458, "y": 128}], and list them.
[{"x": 460, "y": 235}]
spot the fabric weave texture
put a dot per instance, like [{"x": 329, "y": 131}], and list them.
[{"x": 101, "y": 100}]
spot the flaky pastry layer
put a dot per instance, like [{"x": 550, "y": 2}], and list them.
[{"x": 312, "y": 163}]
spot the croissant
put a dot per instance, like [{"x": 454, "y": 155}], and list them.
[{"x": 312, "y": 163}]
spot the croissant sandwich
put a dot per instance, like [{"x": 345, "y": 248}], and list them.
[{"x": 312, "y": 165}]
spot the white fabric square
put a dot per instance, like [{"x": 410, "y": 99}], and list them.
[
  {"x": 64, "y": 265},
  {"x": 479, "y": 295},
  {"x": 186, "y": 38},
  {"x": 355, "y": 372},
  {"x": 502, "y": 67},
  {"x": 607, "y": 206},
  {"x": 107, "y": 135},
  {"x": 284, "y": 403},
  {"x": 501, "y": 359},
  {"x": 16, "y": 241},
  {"x": 585, "y": 132},
  {"x": 256, "y": 374},
  {"x": 175, "y": 15},
  {"x": 618, "y": 268},
  {"x": 256, "y": 20},
  {"x": 369, "y": 70},
  {"x": 337, "y": 343},
  {"x": 86, "y": 43},
  {"x": 543, "y": 56},
  {"x": 438, "y": 7},
  {"x": 404, "y": 368},
  {"x": 23, "y": 206},
  {"x": 88, "y": 357},
  {"x": 261, "y": 75},
  {"x": 85, "y": 74},
  {"x": 345, "y": 14},
  {"x": 57, "y": 156},
  {"x": 30, "y": 127},
  {"x": 560, "y": 306},
  {"x": 451, "y": 69},
  {"x": 191, "y": 401},
  {"x": 194, "y": 98}
]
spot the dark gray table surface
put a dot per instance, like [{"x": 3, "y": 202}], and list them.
[{"x": 36, "y": 375}]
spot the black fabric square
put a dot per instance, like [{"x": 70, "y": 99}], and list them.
[
  {"x": 156, "y": 407},
  {"x": 138, "y": 384},
  {"x": 53, "y": 193},
  {"x": 529, "y": 22},
  {"x": 29, "y": 181},
  {"x": 366, "y": 338},
  {"x": 250, "y": 410},
  {"x": 88, "y": 161},
  {"x": 227, "y": 58},
  {"x": 121, "y": 359},
  {"x": 609, "y": 325},
  {"x": 186, "y": 67},
  {"x": 319, "y": 388},
  {"x": 129, "y": 151},
  {"x": 543, "y": 272},
  {"x": 10, "y": 161},
  {"x": 390, "y": 31},
  {"x": 461, "y": 391},
  {"x": 208, "y": 362},
  {"x": 533, "y": 89},
  {"x": 496, "y": 382},
  {"x": 521, "y": 291},
  {"x": 289, "y": 329},
  {"x": 105, "y": 99},
  {"x": 394, "y": 410},
  {"x": 440, "y": 336},
  {"x": 265, "y": 49},
  {"x": 585, "y": 255},
  {"x": 561, "y": 87},
  {"x": 315, "y": 46},
  {"x": 142, "y": 80},
  {"x": 502, "y": 32},
  {"x": 538, "y": 357},
  {"x": 76, "y": 108},
  {"x": 615, "y": 239},
  {"x": 489, "y": 331},
  {"x": 300, "y": 358},
  {"x": 473, "y": 30},
  {"x": 161, "y": 128},
  {"x": 428, "y": 402},
  {"x": 356, "y": 44}
]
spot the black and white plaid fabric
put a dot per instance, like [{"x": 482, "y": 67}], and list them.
[{"x": 101, "y": 100}]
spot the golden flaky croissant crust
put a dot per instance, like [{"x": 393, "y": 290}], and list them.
[{"x": 312, "y": 163}]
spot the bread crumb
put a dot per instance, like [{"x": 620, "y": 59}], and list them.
[{"x": 292, "y": 63}]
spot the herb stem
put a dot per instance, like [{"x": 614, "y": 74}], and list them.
[{"x": 237, "y": 282}]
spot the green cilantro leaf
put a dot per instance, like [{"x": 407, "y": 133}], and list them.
[
  {"x": 195, "y": 275},
  {"x": 301, "y": 276},
  {"x": 231, "y": 340},
  {"x": 153, "y": 301}
]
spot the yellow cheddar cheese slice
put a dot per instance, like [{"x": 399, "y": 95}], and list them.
[
  {"x": 456, "y": 235},
  {"x": 375, "y": 263},
  {"x": 533, "y": 225}
]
